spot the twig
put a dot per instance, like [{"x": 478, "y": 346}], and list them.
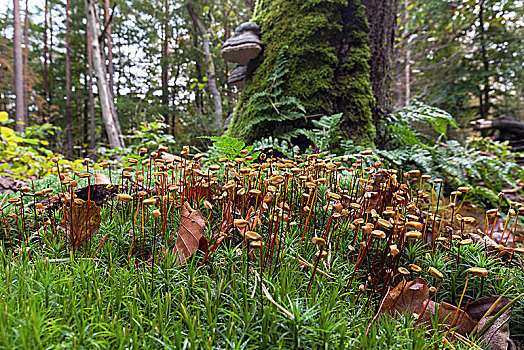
[
  {"x": 270, "y": 298},
  {"x": 305, "y": 263},
  {"x": 109, "y": 20}
]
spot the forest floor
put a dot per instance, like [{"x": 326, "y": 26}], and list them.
[{"x": 304, "y": 253}]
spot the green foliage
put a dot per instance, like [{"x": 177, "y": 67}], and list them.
[
  {"x": 403, "y": 126},
  {"x": 484, "y": 164},
  {"x": 464, "y": 50},
  {"x": 26, "y": 155},
  {"x": 148, "y": 135},
  {"x": 228, "y": 147},
  {"x": 326, "y": 132},
  {"x": 282, "y": 146},
  {"x": 325, "y": 135}
]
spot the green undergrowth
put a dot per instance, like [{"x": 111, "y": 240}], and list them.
[
  {"x": 126, "y": 288},
  {"x": 87, "y": 304}
]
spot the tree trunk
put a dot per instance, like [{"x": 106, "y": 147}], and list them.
[
  {"x": 484, "y": 91},
  {"x": 50, "y": 83},
  {"x": 68, "y": 85},
  {"x": 382, "y": 19},
  {"x": 165, "y": 62},
  {"x": 26, "y": 62},
  {"x": 90, "y": 89},
  {"x": 18, "y": 69},
  {"x": 110, "y": 68},
  {"x": 44, "y": 70},
  {"x": 110, "y": 119},
  {"x": 209, "y": 66},
  {"x": 407, "y": 66},
  {"x": 328, "y": 55}
]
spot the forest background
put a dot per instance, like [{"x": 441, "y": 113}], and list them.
[{"x": 441, "y": 64}]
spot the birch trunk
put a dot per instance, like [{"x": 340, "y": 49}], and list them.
[{"x": 110, "y": 118}]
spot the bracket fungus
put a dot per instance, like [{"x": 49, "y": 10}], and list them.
[
  {"x": 244, "y": 45},
  {"x": 236, "y": 77}
]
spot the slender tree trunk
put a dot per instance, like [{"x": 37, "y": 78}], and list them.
[
  {"x": 165, "y": 62},
  {"x": 407, "y": 67},
  {"x": 210, "y": 66},
  {"x": 18, "y": 69},
  {"x": 51, "y": 58},
  {"x": 44, "y": 70},
  {"x": 85, "y": 129},
  {"x": 110, "y": 67},
  {"x": 90, "y": 89},
  {"x": 382, "y": 19},
  {"x": 68, "y": 85},
  {"x": 26, "y": 62},
  {"x": 484, "y": 91},
  {"x": 108, "y": 113}
]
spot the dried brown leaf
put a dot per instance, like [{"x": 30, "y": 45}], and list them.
[
  {"x": 407, "y": 296},
  {"x": 413, "y": 297},
  {"x": 190, "y": 234},
  {"x": 446, "y": 312},
  {"x": 81, "y": 223},
  {"x": 101, "y": 179}
]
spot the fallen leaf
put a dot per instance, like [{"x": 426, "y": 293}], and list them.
[
  {"x": 407, "y": 296},
  {"x": 102, "y": 179},
  {"x": 478, "y": 308},
  {"x": 498, "y": 333},
  {"x": 413, "y": 297},
  {"x": 9, "y": 183},
  {"x": 81, "y": 223},
  {"x": 190, "y": 234},
  {"x": 99, "y": 194},
  {"x": 446, "y": 312}
]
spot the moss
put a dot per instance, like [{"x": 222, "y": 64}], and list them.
[{"x": 328, "y": 69}]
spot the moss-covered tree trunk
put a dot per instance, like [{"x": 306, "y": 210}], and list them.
[{"x": 328, "y": 54}]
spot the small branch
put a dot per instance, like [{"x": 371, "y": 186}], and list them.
[{"x": 107, "y": 23}]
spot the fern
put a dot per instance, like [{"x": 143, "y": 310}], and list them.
[
  {"x": 400, "y": 125},
  {"x": 416, "y": 134},
  {"x": 227, "y": 147},
  {"x": 270, "y": 104},
  {"x": 282, "y": 146}
]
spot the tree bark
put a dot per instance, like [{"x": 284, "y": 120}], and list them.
[
  {"x": 407, "y": 66},
  {"x": 44, "y": 70},
  {"x": 50, "y": 72},
  {"x": 68, "y": 85},
  {"x": 18, "y": 69},
  {"x": 110, "y": 67},
  {"x": 328, "y": 71},
  {"x": 90, "y": 89},
  {"x": 484, "y": 91},
  {"x": 165, "y": 62},
  {"x": 110, "y": 118},
  {"x": 382, "y": 19},
  {"x": 26, "y": 62},
  {"x": 209, "y": 65}
]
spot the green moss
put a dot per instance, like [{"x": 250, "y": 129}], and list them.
[{"x": 328, "y": 69}]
